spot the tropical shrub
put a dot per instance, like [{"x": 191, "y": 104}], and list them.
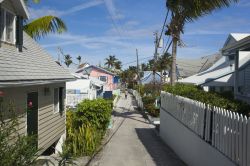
[
  {"x": 86, "y": 126},
  {"x": 95, "y": 112},
  {"x": 15, "y": 149},
  {"x": 149, "y": 105},
  {"x": 224, "y": 100}
]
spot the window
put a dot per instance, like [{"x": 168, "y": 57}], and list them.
[
  {"x": 2, "y": 24},
  {"x": 56, "y": 100},
  {"x": 59, "y": 100},
  {"x": 7, "y": 26},
  {"x": 103, "y": 78}
]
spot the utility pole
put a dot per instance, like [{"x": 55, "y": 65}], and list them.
[
  {"x": 155, "y": 55},
  {"x": 138, "y": 69}
]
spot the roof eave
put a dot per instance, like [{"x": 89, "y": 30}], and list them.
[
  {"x": 240, "y": 45},
  {"x": 21, "y": 6},
  {"x": 25, "y": 10},
  {"x": 22, "y": 83}
]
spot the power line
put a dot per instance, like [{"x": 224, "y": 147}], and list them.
[
  {"x": 119, "y": 29},
  {"x": 165, "y": 21},
  {"x": 165, "y": 48},
  {"x": 139, "y": 59},
  {"x": 168, "y": 46}
]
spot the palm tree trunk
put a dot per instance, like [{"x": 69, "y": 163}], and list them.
[{"x": 173, "y": 67}]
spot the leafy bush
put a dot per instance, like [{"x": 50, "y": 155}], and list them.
[
  {"x": 149, "y": 89},
  {"x": 86, "y": 126},
  {"x": 211, "y": 98},
  {"x": 96, "y": 112},
  {"x": 149, "y": 105},
  {"x": 15, "y": 149}
]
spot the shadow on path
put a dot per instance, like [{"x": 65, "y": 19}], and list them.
[
  {"x": 129, "y": 114},
  {"x": 160, "y": 153}
]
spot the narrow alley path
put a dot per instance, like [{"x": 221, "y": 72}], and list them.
[{"x": 135, "y": 143}]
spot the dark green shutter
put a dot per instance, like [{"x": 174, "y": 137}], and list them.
[
  {"x": 61, "y": 99},
  {"x": 19, "y": 33},
  {"x": 1, "y": 22}
]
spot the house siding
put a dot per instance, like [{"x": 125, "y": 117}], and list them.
[
  {"x": 51, "y": 125},
  {"x": 247, "y": 79},
  {"x": 109, "y": 86}
]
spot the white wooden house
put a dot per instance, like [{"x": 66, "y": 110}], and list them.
[
  {"x": 85, "y": 87},
  {"x": 241, "y": 79},
  {"x": 220, "y": 77}
]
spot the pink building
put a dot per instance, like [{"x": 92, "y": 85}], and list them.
[{"x": 104, "y": 75}]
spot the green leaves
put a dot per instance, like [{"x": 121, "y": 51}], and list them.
[
  {"x": 15, "y": 148},
  {"x": 45, "y": 25},
  {"x": 86, "y": 126},
  {"x": 222, "y": 100},
  {"x": 110, "y": 61}
]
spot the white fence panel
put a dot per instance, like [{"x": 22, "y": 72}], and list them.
[
  {"x": 244, "y": 148},
  {"x": 248, "y": 142},
  {"x": 227, "y": 131}
]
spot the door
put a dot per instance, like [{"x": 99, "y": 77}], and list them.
[{"x": 32, "y": 114}]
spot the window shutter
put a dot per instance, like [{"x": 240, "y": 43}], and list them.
[
  {"x": 1, "y": 23},
  {"x": 19, "y": 33},
  {"x": 61, "y": 99}
]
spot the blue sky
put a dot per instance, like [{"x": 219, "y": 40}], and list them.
[{"x": 98, "y": 28}]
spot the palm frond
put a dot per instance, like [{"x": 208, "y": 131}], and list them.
[{"x": 45, "y": 25}]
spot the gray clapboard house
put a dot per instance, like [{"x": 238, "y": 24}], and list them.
[
  {"x": 30, "y": 79},
  {"x": 241, "y": 79}
]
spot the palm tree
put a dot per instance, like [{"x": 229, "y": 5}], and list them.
[
  {"x": 110, "y": 61},
  {"x": 43, "y": 26},
  {"x": 79, "y": 58},
  {"x": 144, "y": 67},
  {"x": 68, "y": 60},
  {"x": 118, "y": 65},
  {"x": 164, "y": 63},
  {"x": 183, "y": 11}
]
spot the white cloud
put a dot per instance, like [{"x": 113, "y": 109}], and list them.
[
  {"x": 217, "y": 26},
  {"x": 244, "y": 3},
  {"x": 87, "y": 42},
  {"x": 114, "y": 13},
  {"x": 35, "y": 13}
]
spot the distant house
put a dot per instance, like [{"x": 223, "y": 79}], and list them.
[
  {"x": 84, "y": 87},
  {"x": 30, "y": 79},
  {"x": 241, "y": 78},
  {"x": 148, "y": 77},
  {"x": 111, "y": 80},
  {"x": 221, "y": 76},
  {"x": 188, "y": 67}
]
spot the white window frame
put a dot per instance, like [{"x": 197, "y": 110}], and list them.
[
  {"x": 56, "y": 109},
  {"x": 14, "y": 26},
  {"x": 103, "y": 76}
]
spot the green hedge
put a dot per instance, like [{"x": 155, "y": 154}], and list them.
[
  {"x": 149, "y": 105},
  {"x": 224, "y": 100},
  {"x": 86, "y": 126}
]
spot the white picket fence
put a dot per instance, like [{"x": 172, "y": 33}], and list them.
[
  {"x": 73, "y": 99},
  {"x": 227, "y": 131},
  {"x": 138, "y": 98}
]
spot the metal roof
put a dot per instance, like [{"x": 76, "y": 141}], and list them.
[
  {"x": 149, "y": 77},
  {"x": 30, "y": 65},
  {"x": 86, "y": 69},
  {"x": 220, "y": 71}
]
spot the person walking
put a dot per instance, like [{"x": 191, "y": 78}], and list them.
[{"x": 126, "y": 94}]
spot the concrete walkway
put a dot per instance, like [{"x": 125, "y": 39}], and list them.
[{"x": 135, "y": 142}]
